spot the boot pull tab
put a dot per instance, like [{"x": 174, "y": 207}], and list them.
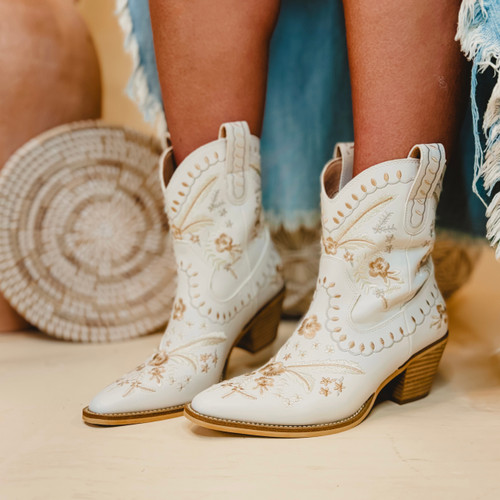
[
  {"x": 338, "y": 171},
  {"x": 427, "y": 182},
  {"x": 345, "y": 151},
  {"x": 166, "y": 163},
  {"x": 237, "y": 135}
]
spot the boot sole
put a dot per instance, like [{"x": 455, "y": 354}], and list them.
[
  {"x": 138, "y": 417},
  {"x": 410, "y": 382},
  {"x": 257, "y": 334}
]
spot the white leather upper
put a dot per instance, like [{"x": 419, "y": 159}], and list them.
[
  {"x": 376, "y": 302},
  {"x": 227, "y": 270}
]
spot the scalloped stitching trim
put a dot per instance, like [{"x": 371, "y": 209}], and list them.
[
  {"x": 264, "y": 277},
  {"x": 191, "y": 175},
  {"x": 359, "y": 197},
  {"x": 381, "y": 346}
]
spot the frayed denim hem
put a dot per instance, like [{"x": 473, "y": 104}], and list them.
[{"x": 479, "y": 35}]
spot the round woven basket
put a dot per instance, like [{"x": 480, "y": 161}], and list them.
[{"x": 84, "y": 253}]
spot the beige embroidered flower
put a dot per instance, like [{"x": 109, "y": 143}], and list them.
[
  {"x": 380, "y": 267},
  {"x": 348, "y": 256},
  {"x": 325, "y": 391},
  {"x": 263, "y": 384},
  {"x": 178, "y": 311},
  {"x": 339, "y": 385},
  {"x": 440, "y": 317},
  {"x": 309, "y": 327},
  {"x": 330, "y": 245},
  {"x": 224, "y": 243},
  {"x": 156, "y": 373},
  {"x": 159, "y": 358},
  {"x": 176, "y": 232}
]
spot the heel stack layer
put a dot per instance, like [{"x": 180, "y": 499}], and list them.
[
  {"x": 263, "y": 328},
  {"x": 416, "y": 380}
]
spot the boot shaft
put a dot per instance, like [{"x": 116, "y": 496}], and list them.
[
  {"x": 378, "y": 231},
  {"x": 225, "y": 259},
  {"x": 213, "y": 198}
]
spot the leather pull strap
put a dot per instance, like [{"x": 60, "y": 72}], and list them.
[
  {"x": 427, "y": 182},
  {"x": 345, "y": 151},
  {"x": 237, "y": 135}
]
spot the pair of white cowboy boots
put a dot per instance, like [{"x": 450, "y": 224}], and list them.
[{"x": 377, "y": 317}]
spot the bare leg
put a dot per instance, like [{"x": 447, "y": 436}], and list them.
[
  {"x": 406, "y": 75},
  {"x": 212, "y": 58}
]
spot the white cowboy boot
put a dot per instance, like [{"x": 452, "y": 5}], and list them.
[
  {"x": 377, "y": 315},
  {"x": 229, "y": 290}
]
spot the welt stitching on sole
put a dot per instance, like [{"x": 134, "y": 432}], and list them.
[
  {"x": 205, "y": 418},
  {"x": 142, "y": 412}
]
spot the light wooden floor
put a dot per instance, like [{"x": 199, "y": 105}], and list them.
[{"x": 445, "y": 446}]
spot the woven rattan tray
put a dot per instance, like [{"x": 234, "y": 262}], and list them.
[{"x": 84, "y": 253}]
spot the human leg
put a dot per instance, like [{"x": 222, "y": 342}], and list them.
[
  {"x": 212, "y": 60},
  {"x": 407, "y": 76}
]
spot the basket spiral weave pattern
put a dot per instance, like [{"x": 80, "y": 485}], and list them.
[{"x": 84, "y": 253}]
